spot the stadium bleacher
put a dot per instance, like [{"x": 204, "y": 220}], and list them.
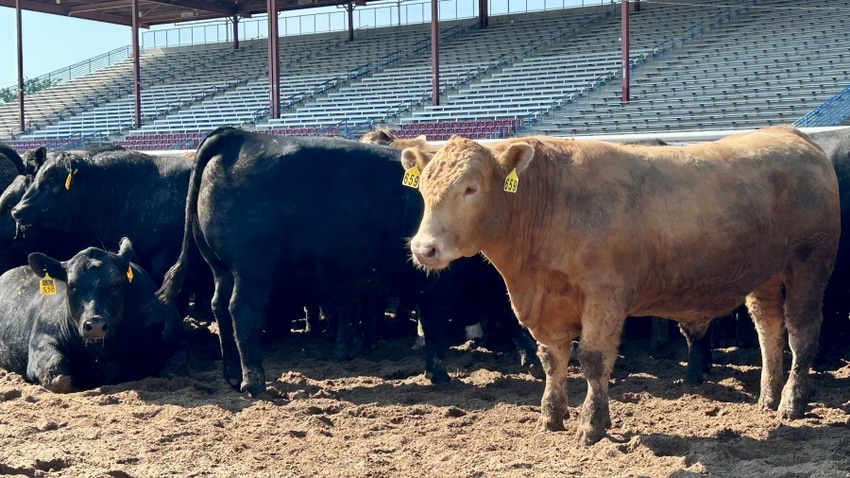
[{"x": 740, "y": 64}]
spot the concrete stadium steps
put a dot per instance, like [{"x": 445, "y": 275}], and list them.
[
  {"x": 565, "y": 70},
  {"x": 769, "y": 66}
]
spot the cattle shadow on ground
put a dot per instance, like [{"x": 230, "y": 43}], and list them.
[{"x": 799, "y": 450}]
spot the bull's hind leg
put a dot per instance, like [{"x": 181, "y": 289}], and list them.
[
  {"x": 804, "y": 286},
  {"x": 229, "y": 353},
  {"x": 248, "y": 304},
  {"x": 766, "y": 308},
  {"x": 553, "y": 407}
]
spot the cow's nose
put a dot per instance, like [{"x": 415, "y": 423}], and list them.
[
  {"x": 425, "y": 253},
  {"x": 95, "y": 328}
]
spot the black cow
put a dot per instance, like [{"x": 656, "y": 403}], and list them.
[
  {"x": 102, "y": 325},
  {"x": 11, "y": 165},
  {"x": 324, "y": 219},
  {"x": 112, "y": 195}
]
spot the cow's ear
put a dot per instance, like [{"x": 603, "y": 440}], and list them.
[
  {"x": 33, "y": 160},
  {"x": 41, "y": 264},
  {"x": 125, "y": 250},
  {"x": 517, "y": 156},
  {"x": 414, "y": 156}
]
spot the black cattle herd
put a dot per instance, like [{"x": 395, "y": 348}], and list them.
[{"x": 255, "y": 226}]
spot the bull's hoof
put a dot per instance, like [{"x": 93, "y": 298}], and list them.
[
  {"x": 341, "y": 356},
  {"x": 536, "y": 371},
  {"x": 791, "y": 408},
  {"x": 588, "y": 435},
  {"x": 438, "y": 376},
  {"x": 768, "y": 402},
  {"x": 695, "y": 378},
  {"x": 253, "y": 389},
  {"x": 551, "y": 424},
  {"x": 59, "y": 384}
]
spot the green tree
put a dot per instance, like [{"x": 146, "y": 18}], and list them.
[{"x": 31, "y": 85}]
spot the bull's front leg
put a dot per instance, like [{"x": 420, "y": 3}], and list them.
[
  {"x": 600, "y": 339},
  {"x": 553, "y": 407},
  {"x": 48, "y": 366}
]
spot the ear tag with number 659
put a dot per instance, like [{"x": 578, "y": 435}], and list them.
[
  {"x": 129, "y": 274},
  {"x": 511, "y": 182},
  {"x": 68, "y": 179},
  {"x": 47, "y": 285},
  {"x": 411, "y": 177}
]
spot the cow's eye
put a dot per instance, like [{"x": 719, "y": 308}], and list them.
[{"x": 470, "y": 190}]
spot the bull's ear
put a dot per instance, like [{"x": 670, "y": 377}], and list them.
[
  {"x": 415, "y": 157},
  {"x": 33, "y": 160},
  {"x": 125, "y": 250},
  {"x": 422, "y": 138},
  {"x": 517, "y": 156},
  {"x": 41, "y": 264}
]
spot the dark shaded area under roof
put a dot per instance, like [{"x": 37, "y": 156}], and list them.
[{"x": 157, "y": 12}]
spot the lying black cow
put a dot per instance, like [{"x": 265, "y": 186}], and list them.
[
  {"x": 102, "y": 325},
  {"x": 324, "y": 219}
]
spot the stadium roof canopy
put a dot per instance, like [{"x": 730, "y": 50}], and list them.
[{"x": 156, "y": 12}]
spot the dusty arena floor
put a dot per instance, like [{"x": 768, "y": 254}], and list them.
[{"x": 378, "y": 417}]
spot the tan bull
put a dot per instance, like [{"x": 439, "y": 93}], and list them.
[{"x": 598, "y": 231}]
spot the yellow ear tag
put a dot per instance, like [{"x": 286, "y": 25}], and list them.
[
  {"x": 68, "y": 179},
  {"x": 129, "y": 274},
  {"x": 511, "y": 182},
  {"x": 47, "y": 285},
  {"x": 411, "y": 177}
]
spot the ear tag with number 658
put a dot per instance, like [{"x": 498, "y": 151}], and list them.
[
  {"x": 129, "y": 274},
  {"x": 411, "y": 177},
  {"x": 68, "y": 179},
  {"x": 47, "y": 285},
  {"x": 511, "y": 182}
]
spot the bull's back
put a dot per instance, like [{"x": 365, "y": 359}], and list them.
[
  {"x": 307, "y": 203},
  {"x": 718, "y": 220}
]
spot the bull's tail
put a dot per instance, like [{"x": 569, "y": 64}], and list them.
[{"x": 176, "y": 275}]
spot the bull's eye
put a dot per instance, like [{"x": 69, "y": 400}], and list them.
[{"x": 470, "y": 190}]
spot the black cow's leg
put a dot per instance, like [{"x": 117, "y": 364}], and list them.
[
  {"x": 432, "y": 317},
  {"x": 248, "y": 304},
  {"x": 659, "y": 334},
  {"x": 48, "y": 366},
  {"x": 220, "y": 307},
  {"x": 699, "y": 353},
  {"x": 527, "y": 348},
  {"x": 346, "y": 328}
]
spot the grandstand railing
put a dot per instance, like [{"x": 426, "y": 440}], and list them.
[
  {"x": 831, "y": 112},
  {"x": 80, "y": 68},
  {"x": 365, "y": 19}
]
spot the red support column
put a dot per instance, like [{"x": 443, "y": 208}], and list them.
[
  {"x": 274, "y": 62},
  {"x": 435, "y": 52},
  {"x": 20, "y": 65},
  {"x": 137, "y": 82},
  {"x": 235, "y": 32},
  {"x": 350, "y": 9},
  {"x": 624, "y": 37},
  {"x": 483, "y": 18}
]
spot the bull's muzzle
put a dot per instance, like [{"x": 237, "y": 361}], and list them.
[
  {"x": 95, "y": 329},
  {"x": 427, "y": 254}
]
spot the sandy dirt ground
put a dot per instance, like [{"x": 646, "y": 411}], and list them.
[{"x": 377, "y": 416}]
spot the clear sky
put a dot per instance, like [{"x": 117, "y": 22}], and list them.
[{"x": 52, "y": 42}]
